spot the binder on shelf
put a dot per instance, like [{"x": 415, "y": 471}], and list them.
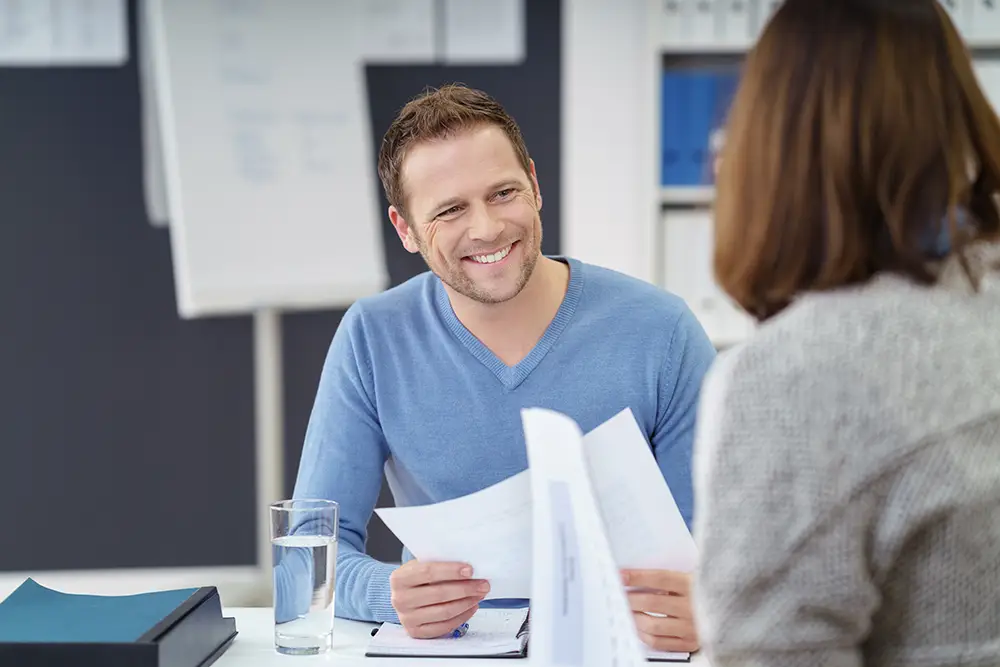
[
  {"x": 40, "y": 627},
  {"x": 983, "y": 24},
  {"x": 695, "y": 104},
  {"x": 670, "y": 109},
  {"x": 702, "y": 113},
  {"x": 734, "y": 23},
  {"x": 672, "y": 22},
  {"x": 765, "y": 10},
  {"x": 702, "y": 21},
  {"x": 959, "y": 15}
]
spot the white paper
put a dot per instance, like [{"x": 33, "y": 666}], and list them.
[
  {"x": 63, "y": 32},
  {"x": 153, "y": 176},
  {"x": 484, "y": 31},
  {"x": 491, "y": 632},
  {"x": 399, "y": 31},
  {"x": 579, "y": 612},
  {"x": 490, "y": 530},
  {"x": 641, "y": 517},
  {"x": 267, "y": 145}
]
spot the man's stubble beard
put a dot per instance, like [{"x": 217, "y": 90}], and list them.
[{"x": 457, "y": 279}]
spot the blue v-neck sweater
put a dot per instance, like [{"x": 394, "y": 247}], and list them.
[{"x": 408, "y": 390}]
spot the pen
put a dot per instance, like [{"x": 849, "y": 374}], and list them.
[{"x": 460, "y": 631}]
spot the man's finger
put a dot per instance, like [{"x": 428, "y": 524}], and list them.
[
  {"x": 418, "y": 573},
  {"x": 431, "y": 594},
  {"x": 443, "y": 628},
  {"x": 664, "y": 626},
  {"x": 672, "y": 644},
  {"x": 671, "y": 605},
  {"x": 441, "y": 613},
  {"x": 663, "y": 580}
]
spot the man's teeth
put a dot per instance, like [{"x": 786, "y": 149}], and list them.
[{"x": 490, "y": 259}]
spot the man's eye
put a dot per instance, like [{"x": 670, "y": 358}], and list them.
[
  {"x": 451, "y": 211},
  {"x": 503, "y": 194}
]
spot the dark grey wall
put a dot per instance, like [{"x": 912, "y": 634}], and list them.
[
  {"x": 531, "y": 93},
  {"x": 126, "y": 434}
]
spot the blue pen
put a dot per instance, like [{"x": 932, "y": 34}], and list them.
[{"x": 460, "y": 631}]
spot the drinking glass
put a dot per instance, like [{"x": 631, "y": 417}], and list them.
[{"x": 304, "y": 547}]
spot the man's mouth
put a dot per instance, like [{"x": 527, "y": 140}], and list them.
[{"x": 492, "y": 257}]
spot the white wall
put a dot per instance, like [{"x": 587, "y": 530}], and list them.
[{"x": 609, "y": 167}]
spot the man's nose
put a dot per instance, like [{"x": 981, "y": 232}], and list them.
[{"x": 484, "y": 226}]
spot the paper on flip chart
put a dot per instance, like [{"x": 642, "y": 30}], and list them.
[
  {"x": 579, "y": 613},
  {"x": 491, "y": 529}
]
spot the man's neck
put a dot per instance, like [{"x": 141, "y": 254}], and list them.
[{"x": 512, "y": 328}]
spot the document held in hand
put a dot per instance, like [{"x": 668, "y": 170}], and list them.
[
  {"x": 560, "y": 532},
  {"x": 491, "y": 529}
]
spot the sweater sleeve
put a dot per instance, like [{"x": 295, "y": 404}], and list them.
[
  {"x": 342, "y": 460},
  {"x": 783, "y": 578},
  {"x": 689, "y": 356}
]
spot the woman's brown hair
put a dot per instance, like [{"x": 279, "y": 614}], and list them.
[{"x": 858, "y": 136}]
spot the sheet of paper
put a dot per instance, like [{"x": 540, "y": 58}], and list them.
[
  {"x": 644, "y": 524},
  {"x": 266, "y": 137},
  {"x": 490, "y": 530},
  {"x": 63, "y": 32},
  {"x": 154, "y": 179},
  {"x": 400, "y": 31},
  {"x": 491, "y": 632},
  {"x": 579, "y": 612},
  {"x": 484, "y": 31}
]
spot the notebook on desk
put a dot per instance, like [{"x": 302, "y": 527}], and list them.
[{"x": 493, "y": 633}]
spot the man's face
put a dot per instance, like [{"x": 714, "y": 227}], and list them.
[{"x": 474, "y": 213}]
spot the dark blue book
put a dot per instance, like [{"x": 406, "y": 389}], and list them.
[{"x": 40, "y": 627}]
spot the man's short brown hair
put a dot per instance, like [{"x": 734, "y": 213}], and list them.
[
  {"x": 439, "y": 114},
  {"x": 856, "y": 139}
]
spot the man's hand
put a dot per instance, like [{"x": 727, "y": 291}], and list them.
[
  {"x": 669, "y": 595},
  {"x": 432, "y": 599}
]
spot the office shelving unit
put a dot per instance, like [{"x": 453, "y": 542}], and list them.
[{"x": 710, "y": 33}]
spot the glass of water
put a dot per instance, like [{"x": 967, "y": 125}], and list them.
[{"x": 304, "y": 548}]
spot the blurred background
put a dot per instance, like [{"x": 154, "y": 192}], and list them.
[{"x": 190, "y": 201}]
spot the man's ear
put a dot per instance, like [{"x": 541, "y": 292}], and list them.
[
  {"x": 534, "y": 182},
  {"x": 402, "y": 228}
]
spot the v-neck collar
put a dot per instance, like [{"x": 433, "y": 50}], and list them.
[{"x": 512, "y": 376}]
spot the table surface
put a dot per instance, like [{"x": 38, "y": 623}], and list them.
[{"x": 254, "y": 647}]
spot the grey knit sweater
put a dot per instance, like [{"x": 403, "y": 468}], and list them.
[{"x": 847, "y": 480}]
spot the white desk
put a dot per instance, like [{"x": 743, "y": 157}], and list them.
[{"x": 254, "y": 647}]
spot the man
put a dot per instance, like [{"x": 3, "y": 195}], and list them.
[{"x": 427, "y": 379}]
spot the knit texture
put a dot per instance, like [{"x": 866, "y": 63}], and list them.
[{"x": 847, "y": 475}]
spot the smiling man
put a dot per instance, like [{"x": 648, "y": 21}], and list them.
[{"x": 426, "y": 380}]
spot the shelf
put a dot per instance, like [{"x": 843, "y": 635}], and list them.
[
  {"x": 705, "y": 48},
  {"x": 694, "y": 195}
]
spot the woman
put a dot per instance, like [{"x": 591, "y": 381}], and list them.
[{"x": 848, "y": 457}]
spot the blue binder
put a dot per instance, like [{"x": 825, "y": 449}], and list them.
[
  {"x": 695, "y": 103},
  {"x": 40, "y": 627},
  {"x": 670, "y": 123}
]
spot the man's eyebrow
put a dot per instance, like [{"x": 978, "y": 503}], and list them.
[
  {"x": 446, "y": 204},
  {"x": 507, "y": 182}
]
